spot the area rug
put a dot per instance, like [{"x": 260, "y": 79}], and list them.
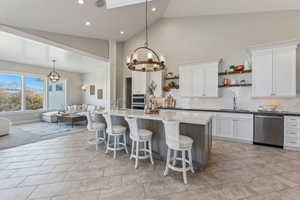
[{"x": 29, "y": 133}]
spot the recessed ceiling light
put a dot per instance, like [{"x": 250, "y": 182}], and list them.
[
  {"x": 81, "y": 2},
  {"x": 122, "y": 32},
  {"x": 87, "y": 23},
  {"x": 153, "y": 9}
]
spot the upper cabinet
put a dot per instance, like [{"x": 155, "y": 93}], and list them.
[
  {"x": 199, "y": 80},
  {"x": 274, "y": 71},
  {"x": 141, "y": 80}
]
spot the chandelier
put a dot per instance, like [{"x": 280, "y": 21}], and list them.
[
  {"x": 54, "y": 76},
  {"x": 145, "y": 59}
]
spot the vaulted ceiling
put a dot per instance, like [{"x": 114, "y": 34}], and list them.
[
  {"x": 68, "y": 17},
  {"x": 22, "y": 50}
]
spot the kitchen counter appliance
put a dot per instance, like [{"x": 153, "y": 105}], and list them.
[
  {"x": 269, "y": 129},
  {"x": 138, "y": 101}
]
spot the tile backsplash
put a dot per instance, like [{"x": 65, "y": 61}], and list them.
[{"x": 245, "y": 100}]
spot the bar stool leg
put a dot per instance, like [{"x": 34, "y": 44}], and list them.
[
  {"x": 150, "y": 149},
  {"x": 132, "y": 149},
  {"x": 184, "y": 167},
  {"x": 108, "y": 142},
  {"x": 145, "y": 148},
  {"x": 104, "y": 133},
  {"x": 125, "y": 142},
  {"x": 137, "y": 154},
  {"x": 167, "y": 163},
  {"x": 174, "y": 157},
  {"x": 97, "y": 139},
  {"x": 191, "y": 161},
  {"x": 115, "y": 146}
]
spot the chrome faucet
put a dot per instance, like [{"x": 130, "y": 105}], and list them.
[{"x": 235, "y": 107}]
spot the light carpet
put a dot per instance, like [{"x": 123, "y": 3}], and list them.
[{"x": 29, "y": 133}]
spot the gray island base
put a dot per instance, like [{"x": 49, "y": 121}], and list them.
[{"x": 198, "y": 126}]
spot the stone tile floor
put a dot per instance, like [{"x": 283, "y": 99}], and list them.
[{"x": 66, "y": 168}]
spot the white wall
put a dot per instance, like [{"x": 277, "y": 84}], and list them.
[
  {"x": 207, "y": 38},
  {"x": 99, "y": 79},
  {"x": 73, "y": 92},
  {"x": 94, "y": 46}
]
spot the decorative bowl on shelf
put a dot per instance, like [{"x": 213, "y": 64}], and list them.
[
  {"x": 239, "y": 68},
  {"x": 170, "y": 75}
]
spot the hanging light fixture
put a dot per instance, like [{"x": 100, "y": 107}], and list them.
[
  {"x": 144, "y": 59},
  {"x": 54, "y": 76}
]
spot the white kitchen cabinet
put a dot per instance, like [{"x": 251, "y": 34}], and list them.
[
  {"x": 285, "y": 71},
  {"x": 292, "y": 133},
  {"x": 211, "y": 79},
  {"x": 243, "y": 128},
  {"x": 224, "y": 127},
  {"x": 198, "y": 86},
  {"x": 262, "y": 78},
  {"x": 186, "y": 81},
  {"x": 139, "y": 82},
  {"x": 274, "y": 71},
  {"x": 199, "y": 80},
  {"x": 238, "y": 127}
]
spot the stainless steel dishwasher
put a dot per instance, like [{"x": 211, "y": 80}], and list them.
[{"x": 269, "y": 129}]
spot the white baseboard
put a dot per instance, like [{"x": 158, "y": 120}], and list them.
[
  {"x": 233, "y": 140},
  {"x": 291, "y": 148}
]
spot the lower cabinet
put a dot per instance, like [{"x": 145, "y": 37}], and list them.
[
  {"x": 292, "y": 132},
  {"x": 237, "y": 127},
  {"x": 225, "y": 127}
]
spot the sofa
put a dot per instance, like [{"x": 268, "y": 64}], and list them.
[
  {"x": 5, "y": 125},
  {"x": 51, "y": 117}
]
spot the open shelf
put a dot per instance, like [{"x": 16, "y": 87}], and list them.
[
  {"x": 236, "y": 85},
  {"x": 228, "y": 73},
  {"x": 172, "y": 78}
]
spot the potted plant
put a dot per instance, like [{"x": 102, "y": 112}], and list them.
[
  {"x": 151, "y": 96},
  {"x": 231, "y": 68}
]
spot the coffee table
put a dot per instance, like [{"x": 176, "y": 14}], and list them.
[{"x": 73, "y": 118}]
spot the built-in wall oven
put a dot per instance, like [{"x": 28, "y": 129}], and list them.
[
  {"x": 138, "y": 101},
  {"x": 269, "y": 129}
]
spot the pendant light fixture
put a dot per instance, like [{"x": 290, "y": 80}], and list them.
[
  {"x": 144, "y": 59},
  {"x": 54, "y": 76}
]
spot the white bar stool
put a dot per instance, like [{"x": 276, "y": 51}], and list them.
[
  {"x": 116, "y": 132},
  {"x": 99, "y": 128},
  {"x": 178, "y": 143},
  {"x": 139, "y": 136}
]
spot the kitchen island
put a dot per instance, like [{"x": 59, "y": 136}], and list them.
[{"x": 196, "y": 125}]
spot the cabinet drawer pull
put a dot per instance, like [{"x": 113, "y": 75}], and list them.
[
  {"x": 292, "y": 142},
  {"x": 292, "y": 133},
  {"x": 292, "y": 124}
]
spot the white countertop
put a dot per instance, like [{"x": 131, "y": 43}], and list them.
[{"x": 182, "y": 116}]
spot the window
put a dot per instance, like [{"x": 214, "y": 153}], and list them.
[
  {"x": 10, "y": 92},
  {"x": 59, "y": 87},
  {"x": 34, "y": 90},
  {"x": 19, "y": 93}
]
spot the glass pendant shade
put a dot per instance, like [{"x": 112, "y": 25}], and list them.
[{"x": 54, "y": 76}]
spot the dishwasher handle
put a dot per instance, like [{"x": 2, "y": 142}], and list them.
[{"x": 267, "y": 116}]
